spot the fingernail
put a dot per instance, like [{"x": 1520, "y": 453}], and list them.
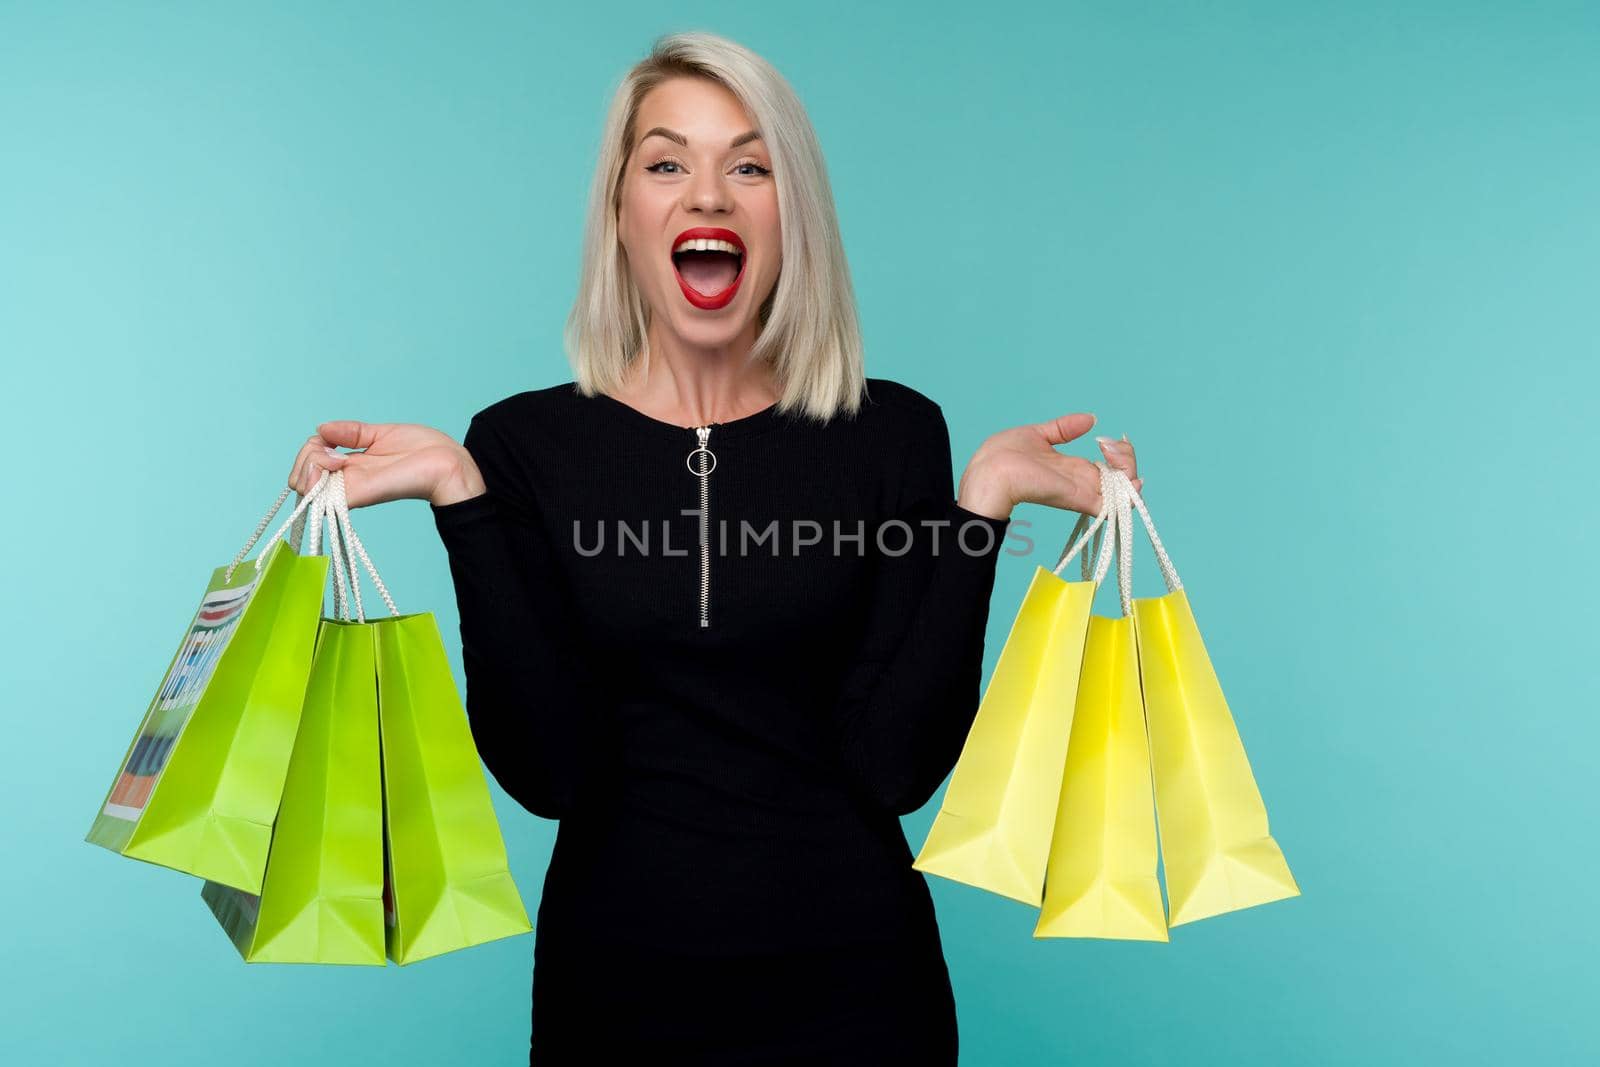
[
  {"x": 1108, "y": 442},
  {"x": 332, "y": 452}
]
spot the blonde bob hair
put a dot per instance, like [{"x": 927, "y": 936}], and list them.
[{"x": 809, "y": 332}]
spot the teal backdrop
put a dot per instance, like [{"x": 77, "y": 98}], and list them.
[{"x": 1331, "y": 267}]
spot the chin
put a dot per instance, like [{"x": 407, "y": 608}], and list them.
[{"x": 705, "y": 331}]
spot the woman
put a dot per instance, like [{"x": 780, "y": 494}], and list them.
[{"x": 722, "y": 606}]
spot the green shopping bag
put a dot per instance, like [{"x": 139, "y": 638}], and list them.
[
  {"x": 322, "y": 898},
  {"x": 432, "y": 875},
  {"x": 450, "y": 885},
  {"x": 198, "y": 787}
]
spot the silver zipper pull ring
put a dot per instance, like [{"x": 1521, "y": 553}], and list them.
[
  {"x": 701, "y": 462},
  {"x": 702, "y": 467}
]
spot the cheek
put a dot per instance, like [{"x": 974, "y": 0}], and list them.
[
  {"x": 639, "y": 248},
  {"x": 633, "y": 222},
  {"x": 772, "y": 238}
]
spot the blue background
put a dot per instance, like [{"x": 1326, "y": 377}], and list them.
[{"x": 1332, "y": 268}]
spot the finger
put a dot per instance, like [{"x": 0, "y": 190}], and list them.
[
  {"x": 350, "y": 433},
  {"x": 1123, "y": 447},
  {"x": 306, "y": 475},
  {"x": 313, "y": 443},
  {"x": 1064, "y": 428},
  {"x": 1119, "y": 454},
  {"x": 298, "y": 467},
  {"x": 1083, "y": 492},
  {"x": 311, "y": 469},
  {"x": 298, "y": 479}
]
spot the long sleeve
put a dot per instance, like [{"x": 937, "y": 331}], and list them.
[
  {"x": 909, "y": 700},
  {"x": 530, "y": 701}
]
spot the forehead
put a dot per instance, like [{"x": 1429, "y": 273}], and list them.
[{"x": 698, "y": 108}]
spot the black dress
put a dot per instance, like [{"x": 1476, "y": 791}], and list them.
[{"x": 727, "y": 727}]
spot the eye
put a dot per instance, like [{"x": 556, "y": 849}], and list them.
[{"x": 658, "y": 168}]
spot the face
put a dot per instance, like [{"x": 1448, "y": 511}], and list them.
[{"x": 699, "y": 174}]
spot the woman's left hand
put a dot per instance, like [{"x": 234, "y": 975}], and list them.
[{"x": 1021, "y": 464}]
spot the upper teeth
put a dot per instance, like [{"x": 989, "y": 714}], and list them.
[{"x": 706, "y": 245}]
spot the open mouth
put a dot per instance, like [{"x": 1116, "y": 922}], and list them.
[{"x": 709, "y": 262}]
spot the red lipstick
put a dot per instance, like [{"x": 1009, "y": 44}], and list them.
[{"x": 717, "y": 300}]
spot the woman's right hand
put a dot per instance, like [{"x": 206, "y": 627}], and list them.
[{"x": 397, "y": 461}]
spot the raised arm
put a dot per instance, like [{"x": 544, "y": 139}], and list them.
[
  {"x": 909, "y": 700},
  {"x": 908, "y": 703},
  {"x": 530, "y": 690}
]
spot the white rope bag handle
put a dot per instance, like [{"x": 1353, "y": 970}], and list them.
[
  {"x": 295, "y": 519},
  {"x": 1106, "y": 520},
  {"x": 325, "y": 501},
  {"x": 321, "y": 512},
  {"x": 339, "y": 529},
  {"x": 312, "y": 511},
  {"x": 1127, "y": 498}
]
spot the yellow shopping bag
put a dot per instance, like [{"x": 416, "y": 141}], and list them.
[
  {"x": 994, "y": 825},
  {"x": 1216, "y": 850},
  {"x": 1101, "y": 877}
]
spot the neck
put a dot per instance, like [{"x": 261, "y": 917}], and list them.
[{"x": 695, "y": 385}]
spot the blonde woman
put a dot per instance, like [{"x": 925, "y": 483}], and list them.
[{"x": 722, "y": 603}]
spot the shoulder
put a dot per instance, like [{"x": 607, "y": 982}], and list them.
[
  {"x": 901, "y": 412},
  {"x": 528, "y": 405},
  {"x": 912, "y": 436},
  {"x": 507, "y": 437},
  {"x": 522, "y": 421},
  {"x": 899, "y": 399}
]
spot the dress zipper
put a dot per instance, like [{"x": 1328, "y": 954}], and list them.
[{"x": 702, "y": 461}]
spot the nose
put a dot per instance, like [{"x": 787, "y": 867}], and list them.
[{"x": 707, "y": 191}]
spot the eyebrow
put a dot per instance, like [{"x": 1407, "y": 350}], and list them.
[{"x": 673, "y": 135}]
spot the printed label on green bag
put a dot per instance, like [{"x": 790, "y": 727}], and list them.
[{"x": 208, "y": 636}]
